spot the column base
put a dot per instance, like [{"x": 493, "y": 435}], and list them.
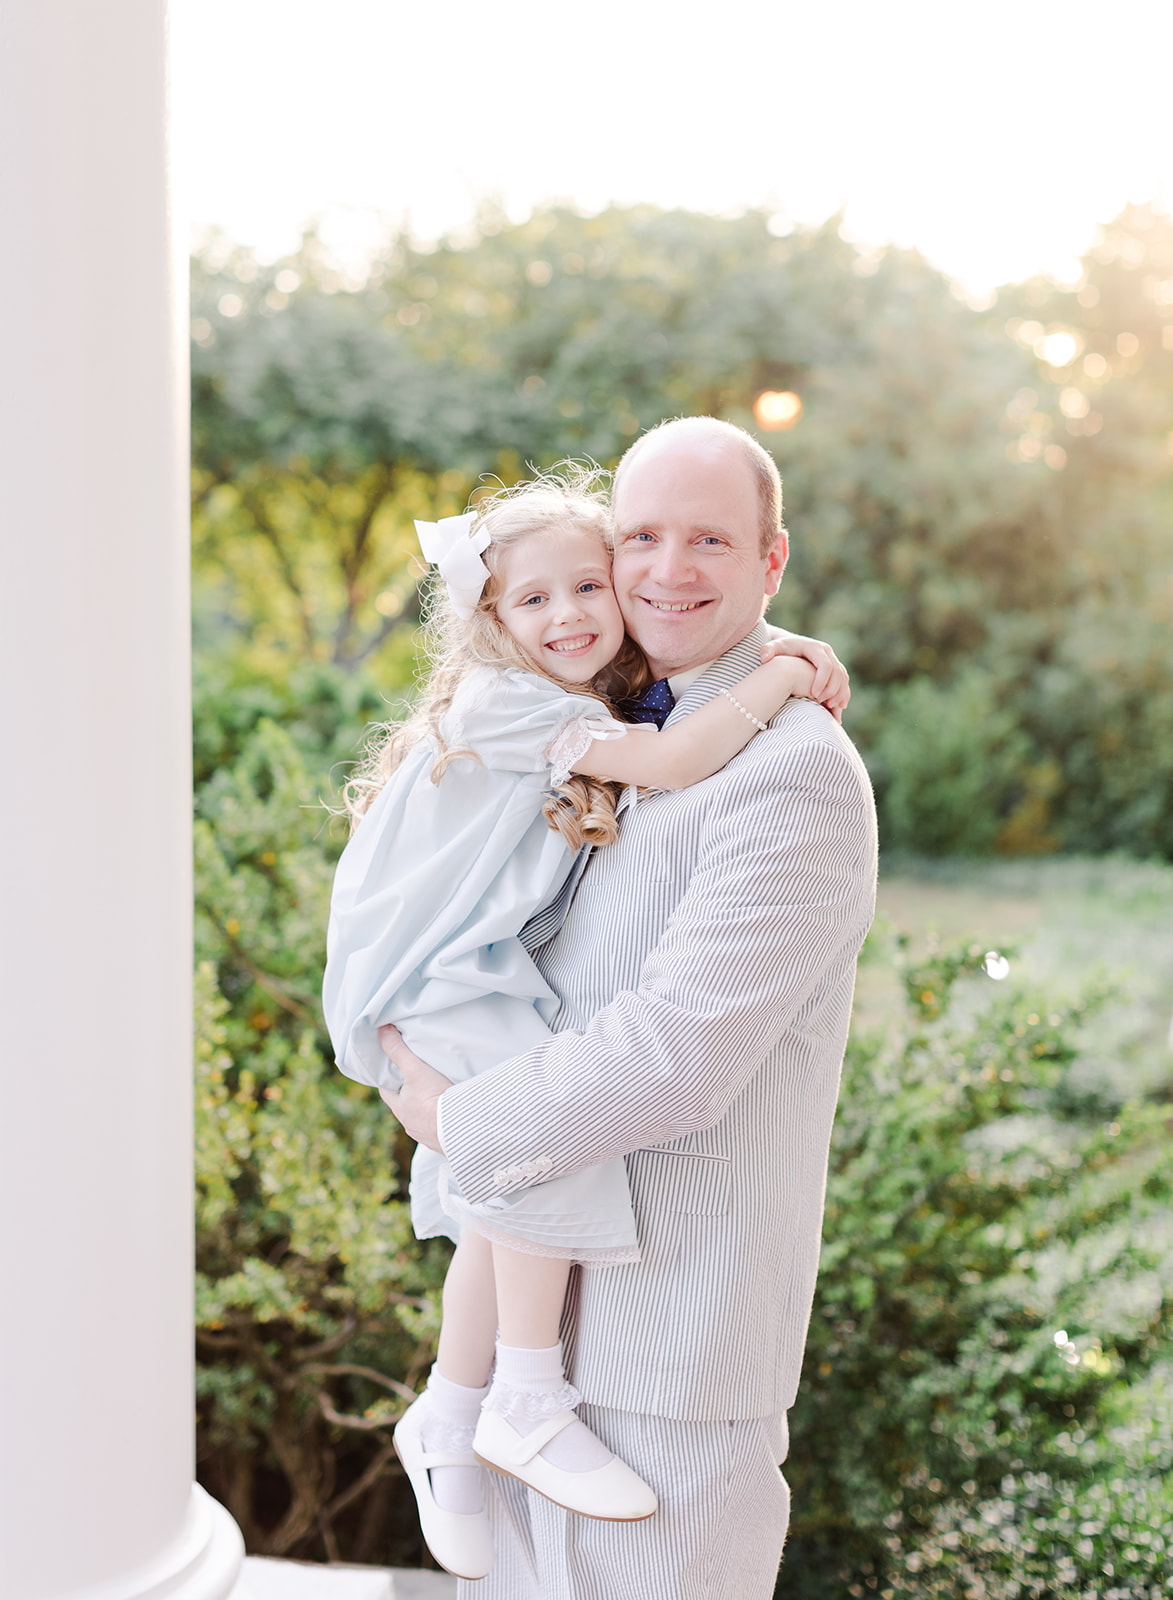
[{"x": 203, "y": 1563}]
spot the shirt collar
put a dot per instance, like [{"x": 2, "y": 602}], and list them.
[
  {"x": 733, "y": 666},
  {"x": 701, "y": 683},
  {"x": 680, "y": 681}
]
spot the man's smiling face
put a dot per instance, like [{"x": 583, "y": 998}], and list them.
[{"x": 689, "y": 572}]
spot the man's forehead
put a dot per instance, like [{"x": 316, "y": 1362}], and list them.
[
  {"x": 710, "y": 468},
  {"x": 706, "y": 498}
]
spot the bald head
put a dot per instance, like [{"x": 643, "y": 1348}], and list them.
[
  {"x": 696, "y": 553},
  {"x": 711, "y": 438}
]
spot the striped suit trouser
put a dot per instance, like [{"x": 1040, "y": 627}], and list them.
[{"x": 718, "y": 1533}]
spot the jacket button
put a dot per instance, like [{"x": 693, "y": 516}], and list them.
[
  {"x": 500, "y": 1177},
  {"x": 531, "y": 1169}
]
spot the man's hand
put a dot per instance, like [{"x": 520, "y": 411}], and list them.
[
  {"x": 831, "y": 687},
  {"x": 415, "y": 1104}
]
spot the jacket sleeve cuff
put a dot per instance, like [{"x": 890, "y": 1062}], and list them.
[{"x": 460, "y": 1134}]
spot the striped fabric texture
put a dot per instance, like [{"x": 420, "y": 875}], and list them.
[
  {"x": 717, "y": 1535},
  {"x": 705, "y": 964}
]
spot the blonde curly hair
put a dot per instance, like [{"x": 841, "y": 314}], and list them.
[{"x": 570, "y": 497}]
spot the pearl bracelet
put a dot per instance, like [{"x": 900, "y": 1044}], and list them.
[{"x": 757, "y": 722}]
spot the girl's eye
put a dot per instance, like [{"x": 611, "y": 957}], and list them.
[
  {"x": 533, "y": 599},
  {"x": 589, "y": 588}
]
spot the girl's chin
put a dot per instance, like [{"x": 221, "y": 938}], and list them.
[{"x": 571, "y": 663}]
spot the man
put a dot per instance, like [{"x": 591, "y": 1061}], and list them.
[{"x": 705, "y": 963}]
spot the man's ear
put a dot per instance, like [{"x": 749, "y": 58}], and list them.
[{"x": 776, "y": 562}]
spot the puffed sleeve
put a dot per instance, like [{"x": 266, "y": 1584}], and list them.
[{"x": 519, "y": 722}]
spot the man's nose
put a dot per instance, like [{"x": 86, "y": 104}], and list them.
[{"x": 672, "y": 565}]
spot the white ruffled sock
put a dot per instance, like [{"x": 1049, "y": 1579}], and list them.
[
  {"x": 449, "y": 1423},
  {"x": 530, "y": 1386}
]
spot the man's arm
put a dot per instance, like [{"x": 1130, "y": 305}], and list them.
[{"x": 786, "y": 886}]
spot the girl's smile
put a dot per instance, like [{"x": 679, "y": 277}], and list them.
[{"x": 558, "y": 605}]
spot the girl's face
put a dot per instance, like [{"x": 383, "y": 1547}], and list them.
[{"x": 557, "y": 603}]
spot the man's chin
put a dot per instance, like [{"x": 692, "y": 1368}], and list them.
[
  {"x": 670, "y": 652},
  {"x": 672, "y": 648}
]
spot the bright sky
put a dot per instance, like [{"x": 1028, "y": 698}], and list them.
[{"x": 991, "y": 136}]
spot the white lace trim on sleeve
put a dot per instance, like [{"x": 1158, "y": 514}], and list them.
[{"x": 573, "y": 742}]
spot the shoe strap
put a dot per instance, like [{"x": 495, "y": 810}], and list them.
[{"x": 530, "y": 1444}]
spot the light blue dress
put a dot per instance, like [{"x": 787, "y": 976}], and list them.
[{"x": 429, "y": 898}]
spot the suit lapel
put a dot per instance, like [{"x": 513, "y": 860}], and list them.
[
  {"x": 728, "y": 670},
  {"x": 723, "y": 674}
]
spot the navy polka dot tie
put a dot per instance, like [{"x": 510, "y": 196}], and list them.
[{"x": 651, "y": 705}]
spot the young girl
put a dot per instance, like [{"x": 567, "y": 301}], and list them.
[{"x": 471, "y": 816}]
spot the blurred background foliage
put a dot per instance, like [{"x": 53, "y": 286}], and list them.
[{"x": 979, "y": 501}]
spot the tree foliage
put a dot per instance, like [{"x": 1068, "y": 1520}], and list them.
[{"x": 979, "y": 502}]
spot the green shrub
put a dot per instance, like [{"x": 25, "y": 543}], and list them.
[
  {"x": 948, "y": 761},
  {"x": 316, "y": 1310},
  {"x": 973, "y": 1218}
]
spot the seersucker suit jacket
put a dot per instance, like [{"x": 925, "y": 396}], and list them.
[{"x": 705, "y": 964}]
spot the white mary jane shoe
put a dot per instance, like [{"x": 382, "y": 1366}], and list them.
[
  {"x": 613, "y": 1493},
  {"x": 461, "y": 1542}
]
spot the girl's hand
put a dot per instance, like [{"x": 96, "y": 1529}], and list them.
[{"x": 831, "y": 686}]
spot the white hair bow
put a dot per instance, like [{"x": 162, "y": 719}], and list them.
[{"x": 451, "y": 545}]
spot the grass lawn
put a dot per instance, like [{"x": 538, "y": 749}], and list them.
[{"x": 1074, "y": 922}]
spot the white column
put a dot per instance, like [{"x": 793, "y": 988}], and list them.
[{"x": 96, "y": 1468}]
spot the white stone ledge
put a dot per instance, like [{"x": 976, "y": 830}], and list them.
[{"x": 264, "y": 1579}]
